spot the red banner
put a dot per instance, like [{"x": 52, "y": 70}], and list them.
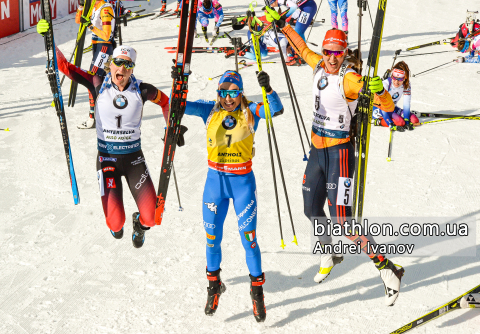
[
  {"x": 9, "y": 17},
  {"x": 72, "y": 6},
  {"x": 36, "y": 11}
]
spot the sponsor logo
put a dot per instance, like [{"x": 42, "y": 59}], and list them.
[
  {"x": 347, "y": 183},
  {"x": 139, "y": 160},
  {"x": 109, "y": 169},
  {"x": 322, "y": 117},
  {"x": 119, "y": 132},
  {"x": 395, "y": 95},
  {"x": 212, "y": 207},
  {"x": 111, "y": 182},
  {"x": 143, "y": 178},
  {"x": 331, "y": 186},
  {"x": 248, "y": 220},
  {"x": 246, "y": 209},
  {"x": 211, "y": 237},
  {"x": 209, "y": 245},
  {"x": 72, "y": 6},
  {"x": 102, "y": 159},
  {"x": 229, "y": 122},
  {"x": 210, "y": 141},
  {"x": 342, "y": 126},
  {"x": 322, "y": 83},
  {"x": 224, "y": 154},
  {"x": 249, "y": 235},
  {"x": 36, "y": 11},
  {"x": 208, "y": 225},
  {"x": 253, "y": 245},
  {"x": 120, "y": 101},
  {"x": 305, "y": 188}
]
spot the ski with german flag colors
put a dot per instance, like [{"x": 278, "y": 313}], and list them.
[{"x": 178, "y": 100}]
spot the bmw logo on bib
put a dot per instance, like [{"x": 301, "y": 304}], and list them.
[
  {"x": 120, "y": 101},
  {"x": 395, "y": 95},
  {"x": 229, "y": 122},
  {"x": 322, "y": 83},
  {"x": 347, "y": 183}
]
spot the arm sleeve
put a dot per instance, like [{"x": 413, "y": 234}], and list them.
[
  {"x": 353, "y": 84},
  {"x": 472, "y": 59},
  {"x": 78, "y": 15},
  {"x": 301, "y": 47},
  {"x": 218, "y": 14},
  {"x": 107, "y": 16},
  {"x": 200, "y": 108},
  {"x": 151, "y": 93},
  {"x": 275, "y": 105},
  {"x": 75, "y": 73}
]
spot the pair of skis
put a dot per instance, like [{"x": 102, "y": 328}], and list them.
[
  {"x": 214, "y": 49},
  {"x": 55, "y": 85},
  {"x": 178, "y": 100},
  {"x": 166, "y": 13}
]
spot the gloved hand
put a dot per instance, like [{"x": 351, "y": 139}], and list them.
[
  {"x": 375, "y": 85},
  {"x": 174, "y": 73},
  {"x": 264, "y": 81},
  {"x": 85, "y": 21},
  {"x": 238, "y": 24},
  {"x": 81, "y": 2},
  {"x": 217, "y": 31},
  {"x": 181, "y": 138},
  {"x": 271, "y": 15},
  {"x": 42, "y": 27},
  {"x": 132, "y": 14},
  {"x": 460, "y": 59}
]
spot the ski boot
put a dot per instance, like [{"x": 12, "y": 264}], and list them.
[
  {"x": 327, "y": 262},
  {"x": 377, "y": 122},
  {"x": 391, "y": 275},
  {"x": 215, "y": 289},
  {"x": 196, "y": 34},
  {"x": 295, "y": 61},
  {"x": 164, "y": 7},
  {"x": 204, "y": 30},
  {"x": 117, "y": 235},
  {"x": 89, "y": 123},
  {"x": 258, "y": 298},
  {"x": 408, "y": 125},
  {"x": 138, "y": 234},
  {"x": 397, "y": 128}
]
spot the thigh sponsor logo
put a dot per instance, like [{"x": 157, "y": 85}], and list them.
[
  {"x": 109, "y": 169},
  {"x": 246, "y": 208},
  {"x": 212, "y": 207},
  {"x": 248, "y": 220},
  {"x": 253, "y": 245},
  {"x": 303, "y": 17},
  {"x": 143, "y": 178},
  {"x": 344, "y": 194},
  {"x": 208, "y": 225},
  {"x": 111, "y": 182},
  {"x": 102, "y": 159},
  {"x": 305, "y": 188},
  {"x": 249, "y": 235},
  {"x": 209, "y": 245},
  {"x": 211, "y": 237},
  {"x": 331, "y": 186},
  {"x": 139, "y": 160}
]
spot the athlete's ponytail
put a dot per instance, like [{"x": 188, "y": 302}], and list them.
[{"x": 404, "y": 67}]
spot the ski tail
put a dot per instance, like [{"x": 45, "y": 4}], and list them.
[
  {"x": 55, "y": 85},
  {"x": 444, "y": 309},
  {"x": 365, "y": 106},
  {"x": 178, "y": 100}
]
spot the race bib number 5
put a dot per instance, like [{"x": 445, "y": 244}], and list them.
[{"x": 345, "y": 191}]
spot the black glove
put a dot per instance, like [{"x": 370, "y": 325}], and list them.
[
  {"x": 264, "y": 81},
  {"x": 174, "y": 73},
  {"x": 236, "y": 25},
  {"x": 85, "y": 21},
  {"x": 81, "y": 2},
  {"x": 181, "y": 139}
]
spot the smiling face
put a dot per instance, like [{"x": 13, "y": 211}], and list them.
[
  {"x": 396, "y": 83},
  {"x": 228, "y": 103},
  {"x": 333, "y": 63},
  {"x": 120, "y": 75}
]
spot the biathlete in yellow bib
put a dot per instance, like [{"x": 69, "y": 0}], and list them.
[{"x": 231, "y": 123}]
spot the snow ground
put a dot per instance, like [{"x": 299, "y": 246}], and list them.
[{"x": 62, "y": 272}]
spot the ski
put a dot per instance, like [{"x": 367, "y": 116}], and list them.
[
  {"x": 54, "y": 79},
  {"x": 440, "y": 42},
  {"x": 214, "y": 39},
  {"x": 465, "y": 300},
  {"x": 87, "y": 12},
  {"x": 178, "y": 100},
  {"x": 140, "y": 17},
  {"x": 364, "y": 116},
  {"x": 160, "y": 14},
  {"x": 219, "y": 49}
]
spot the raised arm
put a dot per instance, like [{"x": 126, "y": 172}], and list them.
[
  {"x": 151, "y": 93},
  {"x": 301, "y": 47}
]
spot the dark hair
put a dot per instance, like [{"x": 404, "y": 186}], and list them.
[
  {"x": 460, "y": 45},
  {"x": 207, "y": 3},
  {"x": 404, "y": 67},
  {"x": 353, "y": 57}
]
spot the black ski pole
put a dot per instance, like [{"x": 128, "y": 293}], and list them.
[
  {"x": 180, "y": 208},
  {"x": 427, "y": 53},
  {"x": 361, "y": 6},
  {"x": 414, "y": 75},
  {"x": 369, "y": 13},
  {"x": 313, "y": 22},
  {"x": 390, "y": 143}
]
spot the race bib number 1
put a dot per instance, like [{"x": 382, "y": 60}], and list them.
[{"x": 345, "y": 191}]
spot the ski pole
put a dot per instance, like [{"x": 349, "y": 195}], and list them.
[
  {"x": 176, "y": 187},
  {"x": 361, "y": 6},
  {"x": 369, "y": 13},
  {"x": 7, "y": 129},
  {"x": 245, "y": 64},
  {"x": 389, "y": 158},
  {"x": 313, "y": 22},
  {"x": 422, "y": 54},
  {"x": 477, "y": 118},
  {"x": 414, "y": 75}
]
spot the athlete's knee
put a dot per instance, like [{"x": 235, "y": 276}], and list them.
[
  {"x": 115, "y": 221},
  {"x": 147, "y": 218},
  {"x": 414, "y": 119}
]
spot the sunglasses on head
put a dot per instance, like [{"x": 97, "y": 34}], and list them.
[
  {"x": 128, "y": 64},
  {"x": 398, "y": 79},
  {"x": 334, "y": 53},
  {"x": 233, "y": 93}
]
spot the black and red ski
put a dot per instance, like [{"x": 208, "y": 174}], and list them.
[{"x": 178, "y": 100}]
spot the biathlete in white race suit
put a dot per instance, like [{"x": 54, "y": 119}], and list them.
[
  {"x": 471, "y": 46},
  {"x": 209, "y": 9},
  {"x": 101, "y": 23},
  {"x": 398, "y": 85},
  {"x": 118, "y": 112},
  {"x": 330, "y": 168},
  {"x": 231, "y": 123}
]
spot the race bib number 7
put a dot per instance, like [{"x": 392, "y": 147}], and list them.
[{"x": 345, "y": 191}]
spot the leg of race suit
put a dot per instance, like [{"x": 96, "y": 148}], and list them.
[
  {"x": 141, "y": 186},
  {"x": 308, "y": 11},
  {"x": 397, "y": 119},
  {"x": 244, "y": 193},
  {"x": 109, "y": 174},
  {"x": 334, "y": 12},
  {"x": 215, "y": 208},
  {"x": 343, "y": 6}
]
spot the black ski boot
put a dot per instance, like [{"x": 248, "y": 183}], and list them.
[
  {"x": 204, "y": 30},
  {"x": 409, "y": 126},
  {"x": 258, "y": 299},
  {"x": 117, "y": 235},
  {"x": 138, "y": 234},
  {"x": 215, "y": 289}
]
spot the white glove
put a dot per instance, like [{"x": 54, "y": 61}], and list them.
[
  {"x": 460, "y": 59},
  {"x": 132, "y": 14}
]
